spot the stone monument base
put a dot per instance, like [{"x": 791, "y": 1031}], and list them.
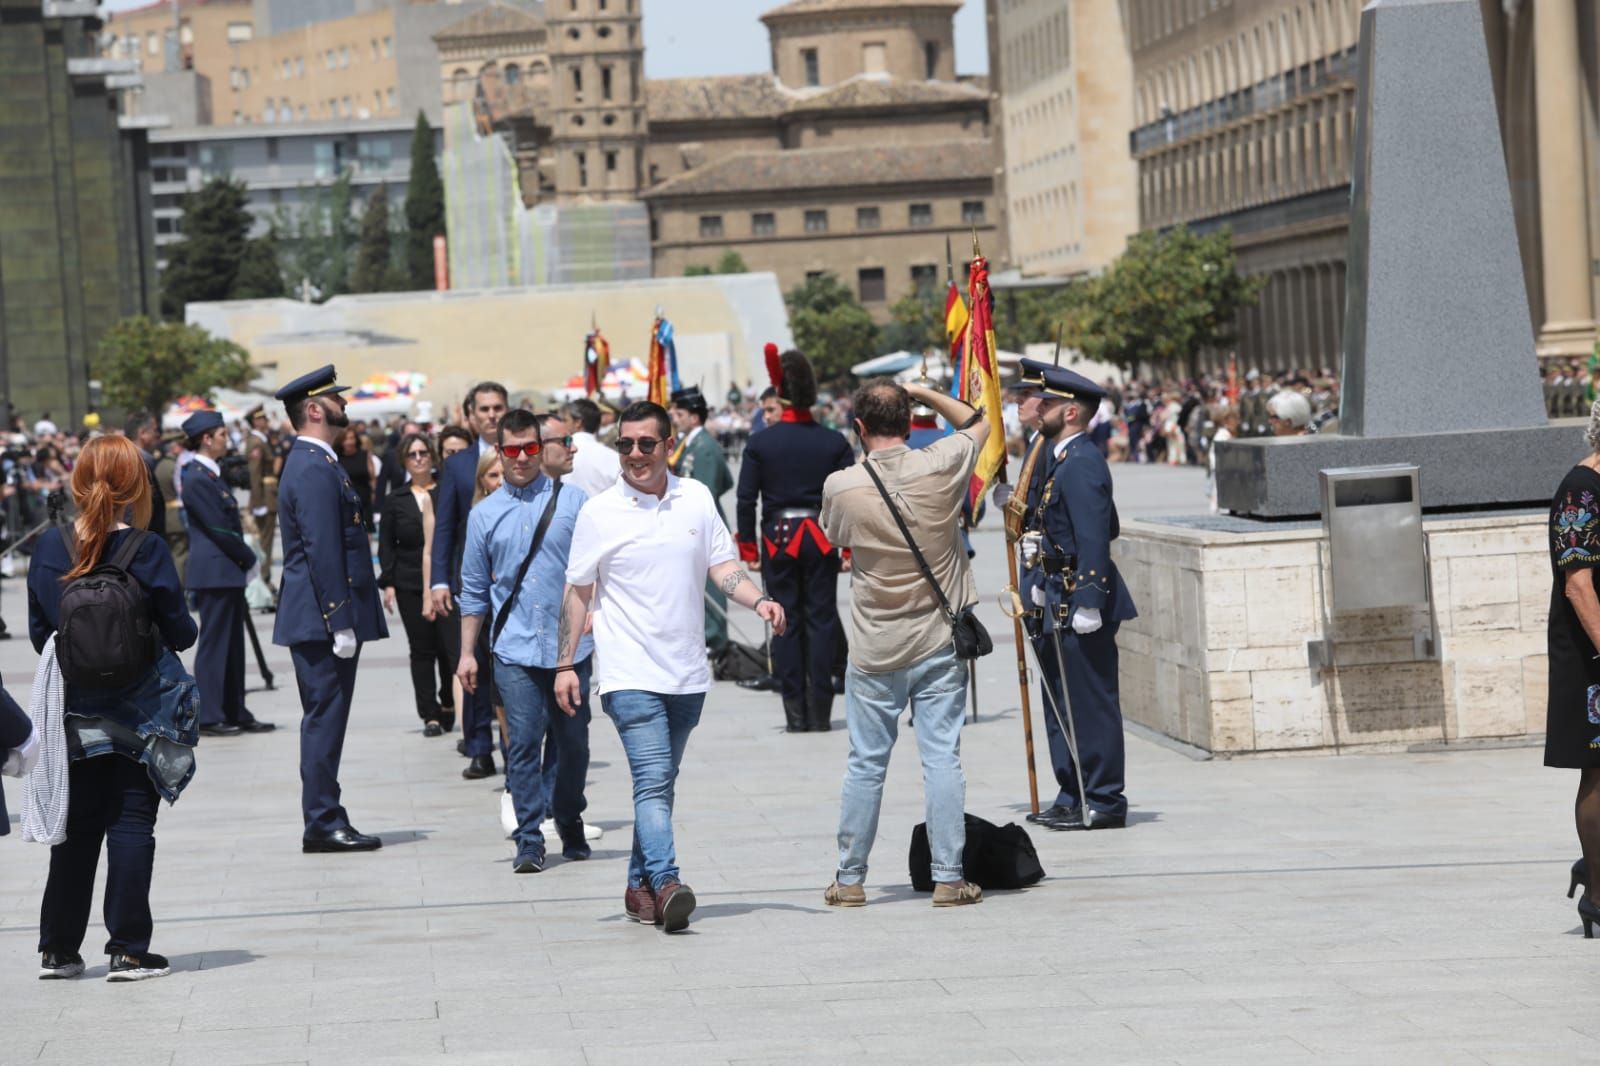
[
  {"x": 1276, "y": 477},
  {"x": 1219, "y": 655}
]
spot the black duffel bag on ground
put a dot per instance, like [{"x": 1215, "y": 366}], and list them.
[{"x": 996, "y": 857}]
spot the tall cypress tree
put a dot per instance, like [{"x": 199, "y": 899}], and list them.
[
  {"x": 216, "y": 230},
  {"x": 424, "y": 207},
  {"x": 372, "y": 252}
]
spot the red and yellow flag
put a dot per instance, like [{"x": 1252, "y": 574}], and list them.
[
  {"x": 955, "y": 330},
  {"x": 596, "y": 363},
  {"x": 660, "y": 389},
  {"x": 980, "y": 382}
]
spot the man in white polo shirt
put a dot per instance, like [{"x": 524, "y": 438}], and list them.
[{"x": 649, "y": 542}]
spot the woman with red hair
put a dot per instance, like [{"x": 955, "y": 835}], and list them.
[{"x": 129, "y": 746}]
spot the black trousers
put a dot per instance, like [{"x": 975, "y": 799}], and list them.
[
  {"x": 806, "y": 586},
  {"x": 435, "y": 647},
  {"x": 110, "y": 800},
  {"x": 219, "y": 656}
]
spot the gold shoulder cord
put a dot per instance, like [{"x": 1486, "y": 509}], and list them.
[{"x": 1016, "y": 509}]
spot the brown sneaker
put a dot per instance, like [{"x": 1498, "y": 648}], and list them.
[
  {"x": 639, "y": 904},
  {"x": 839, "y": 895},
  {"x": 674, "y": 904},
  {"x": 956, "y": 894}
]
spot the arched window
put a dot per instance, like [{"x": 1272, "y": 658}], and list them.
[
  {"x": 513, "y": 74},
  {"x": 460, "y": 84}
]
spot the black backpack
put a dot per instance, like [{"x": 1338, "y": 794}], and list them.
[
  {"x": 995, "y": 856},
  {"x": 106, "y": 638}
]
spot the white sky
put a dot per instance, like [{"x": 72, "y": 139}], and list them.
[{"x": 680, "y": 40}]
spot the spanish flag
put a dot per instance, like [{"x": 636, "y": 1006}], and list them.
[
  {"x": 955, "y": 329},
  {"x": 596, "y": 362},
  {"x": 663, "y": 362},
  {"x": 980, "y": 383}
]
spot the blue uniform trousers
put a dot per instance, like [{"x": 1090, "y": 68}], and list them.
[
  {"x": 219, "y": 656},
  {"x": 327, "y": 684},
  {"x": 1091, "y": 669},
  {"x": 806, "y": 586}
]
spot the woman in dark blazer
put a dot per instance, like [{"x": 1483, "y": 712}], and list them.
[{"x": 435, "y": 638}]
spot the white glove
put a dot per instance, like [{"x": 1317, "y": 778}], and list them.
[
  {"x": 1085, "y": 620},
  {"x": 259, "y": 512},
  {"x": 344, "y": 643},
  {"x": 1037, "y": 595},
  {"x": 1030, "y": 548},
  {"x": 20, "y": 761}
]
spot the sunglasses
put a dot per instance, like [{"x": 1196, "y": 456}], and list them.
[
  {"x": 647, "y": 445},
  {"x": 512, "y": 451},
  {"x": 565, "y": 442},
  {"x": 419, "y": 455}
]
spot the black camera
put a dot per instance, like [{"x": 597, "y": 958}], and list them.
[{"x": 235, "y": 471}]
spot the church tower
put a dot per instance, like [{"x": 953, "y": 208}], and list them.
[{"x": 597, "y": 117}]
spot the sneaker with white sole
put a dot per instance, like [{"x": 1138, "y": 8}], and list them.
[
  {"x": 138, "y": 967},
  {"x": 59, "y": 965},
  {"x": 508, "y": 814}
]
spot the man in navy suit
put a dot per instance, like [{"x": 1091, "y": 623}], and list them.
[
  {"x": 486, "y": 403},
  {"x": 1081, "y": 600},
  {"x": 19, "y": 748},
  {"x": 328, "y": 600},
  {"x": 220, "y": 565}
]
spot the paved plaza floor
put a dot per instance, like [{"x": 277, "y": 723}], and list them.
[{"x": 1367, "y": 909}]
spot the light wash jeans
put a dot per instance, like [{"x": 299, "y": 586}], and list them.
[
  {"x": 936, "y": 690},
  {"x": 532, "y": 717},
  {"x": 654, "y": 728}
]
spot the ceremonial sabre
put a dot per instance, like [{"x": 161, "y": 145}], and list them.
[
  {"x": 1065, "y": 722},
  {"x": 1013, "y": 512}
]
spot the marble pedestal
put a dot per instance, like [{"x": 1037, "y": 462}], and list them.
[{"x": 1218, "y": 657}]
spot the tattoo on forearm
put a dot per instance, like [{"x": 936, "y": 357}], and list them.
[
  {"x": 732, "y": 581},
  {"x": 564, "y": 632}
]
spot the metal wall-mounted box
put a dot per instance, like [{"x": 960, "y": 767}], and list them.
[{"x": 1372, "y": 517}]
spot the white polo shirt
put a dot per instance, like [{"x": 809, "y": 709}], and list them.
[{"x": 647, "y": 559}]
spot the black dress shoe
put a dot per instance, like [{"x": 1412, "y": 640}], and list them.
[
  {"x": 346, "y": 839},
  {"x": 1048, "y": 815},
  {"x": 764, "y": 683},
  {"x": 461, "y": 746},
  {"x": 1097, "y": 821},
  {"x": 431, "y": 729},
  {"x": 256, "y": 725},
  {"x": 480, "y": 766},
  {"x": 220, "y": 729}
]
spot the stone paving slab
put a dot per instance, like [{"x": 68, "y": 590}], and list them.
[{"x": 1371, "y": 909}]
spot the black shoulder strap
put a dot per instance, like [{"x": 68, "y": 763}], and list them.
[
  {"x": 130, "y": 548},
  {"x": 916, "y": 552},
  {"x": 527, "y": 560}
]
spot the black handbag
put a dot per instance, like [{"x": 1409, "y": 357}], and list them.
[
  {"x": 971, "y": 640},
  {"x": 995, "y": 857},
  {"x": 504, "y": 616}
]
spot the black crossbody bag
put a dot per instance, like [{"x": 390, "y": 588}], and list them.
[
  {"x": 527, "y": 561},
  {"x": 970, "y": 638}
]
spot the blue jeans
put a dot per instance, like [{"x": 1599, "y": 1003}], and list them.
[
  {"x": 936, "y": 689},
  {"x": 528, "y": 693},
  {"x": 654, "y": 728}
]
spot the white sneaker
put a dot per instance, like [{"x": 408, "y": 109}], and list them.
[
  {"x": 8, "y": 566},
  {"x": 508, "y": 813},
  {"x": 592, "y": 831}
]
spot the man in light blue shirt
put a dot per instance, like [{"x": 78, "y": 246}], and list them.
[{"x": 500, "y": 532}]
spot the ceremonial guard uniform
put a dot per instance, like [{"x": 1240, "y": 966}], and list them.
[
  {"x": 327, "y": 607},
  {"x": 175, "y": 526},
  {"x": 1072, "y": 577},
  {"x": 699, "y": 456},
  {"x": 219, "y": 561},
  {"x": 784, "y": 466},
  {"x": 263, "y": 486}
]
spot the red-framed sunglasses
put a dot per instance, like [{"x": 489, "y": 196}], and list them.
[{"x": 511, "y": 451}]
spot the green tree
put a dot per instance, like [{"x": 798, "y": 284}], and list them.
[
  {"x": 203, "y": 265},
  {"x": 917, "y": 324},
  {"x": 830, "y": 326},
  {"x": 322, "y": 238},
  {"x": 730, "y": 263},
  {"x": 260, "y": 275},
  {"x": 424, "y": 207},
  {"x": 1167, "y": 299},
  {"x": 371, "y": 273},
  {"x": 145, "y": 365}
]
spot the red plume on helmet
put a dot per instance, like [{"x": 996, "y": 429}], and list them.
[{"x": 774, "y": 366}]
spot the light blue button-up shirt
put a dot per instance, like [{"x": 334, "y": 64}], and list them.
[{"x": 499, "y": 533}]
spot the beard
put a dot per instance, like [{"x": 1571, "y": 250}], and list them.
[{"x": 334, "y": 414}]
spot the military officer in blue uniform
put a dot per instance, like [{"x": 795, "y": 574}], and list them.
[
  {"x": 220, "y": 565},
  {"x": 1080, "y": 601},
  {"x": 327, "y": 603},
  {"x": 784, "y": 467}
]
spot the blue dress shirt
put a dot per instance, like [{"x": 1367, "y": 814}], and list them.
[{"x": 499, "y": 533}]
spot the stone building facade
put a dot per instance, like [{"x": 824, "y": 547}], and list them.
[
  {"x": 75, "y": 246},
  {"x": 1063, "y": 77},
  {"x": 859, "y": 153},
  {"x": 1244, "y": 114}
]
